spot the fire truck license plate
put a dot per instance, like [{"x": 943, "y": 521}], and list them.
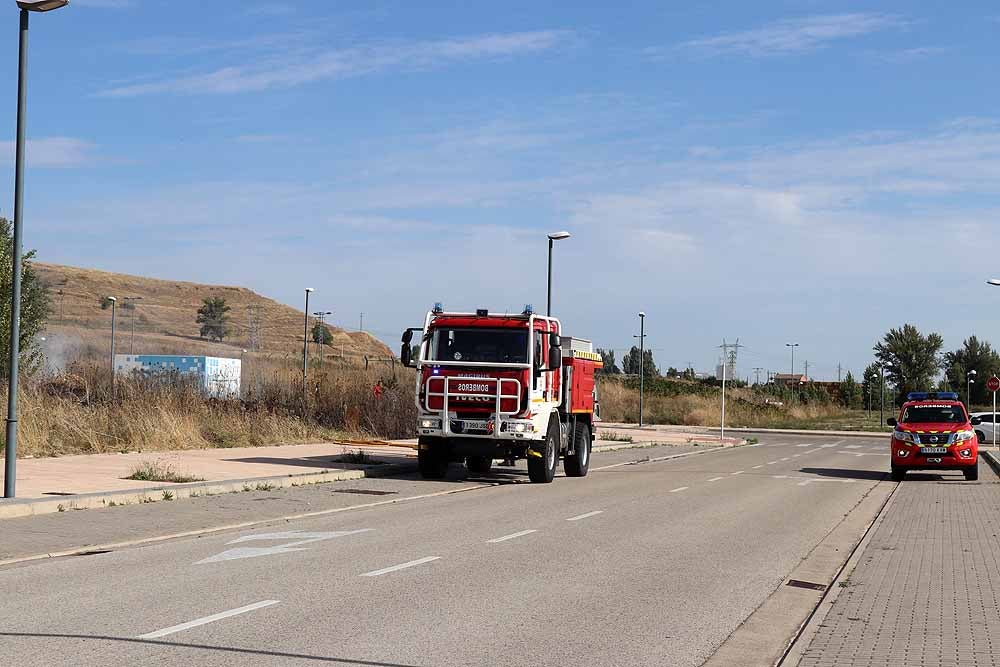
[
  {"x": 475, "y": 425},
  {"x": 933, "y": 450}
]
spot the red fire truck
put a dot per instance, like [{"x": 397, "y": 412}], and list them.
[{"x": 493, "y": 386}]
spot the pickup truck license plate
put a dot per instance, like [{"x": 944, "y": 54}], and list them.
[{"x": 933, "y": 450}]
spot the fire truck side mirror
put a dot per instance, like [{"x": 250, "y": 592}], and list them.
[
  {"x": 406, "y": 354},
  {"x": 555, "y": 358},
  {"x": 891, "y": 421}
]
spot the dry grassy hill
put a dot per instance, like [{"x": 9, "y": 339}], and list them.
[{"x": 165, "y": 319}]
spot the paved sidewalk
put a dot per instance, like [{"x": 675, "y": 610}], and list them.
[{"x": 926, "y": 590}]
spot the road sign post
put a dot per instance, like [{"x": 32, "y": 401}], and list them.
[{"x": 993, "y": 384}]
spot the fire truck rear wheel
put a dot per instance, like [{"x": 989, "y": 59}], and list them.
[
  {"x": 542, "y": 469},
  {"x": 481, "y": 465},
  {"x": 577, "y": 465},
  {"x": 432, "y": 462}
]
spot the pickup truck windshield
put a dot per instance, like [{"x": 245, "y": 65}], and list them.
[
  {"x": 934, "y": 414},
  {"x": 505, "y": 346}
]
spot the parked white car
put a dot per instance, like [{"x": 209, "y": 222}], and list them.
[{"x": 989, "y": 422}]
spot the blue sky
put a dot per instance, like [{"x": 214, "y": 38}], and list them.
[{"x": 808, "y": 171}]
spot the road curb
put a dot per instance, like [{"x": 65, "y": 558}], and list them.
[
  {"x": 800, "y": 643},
  {"x": 12, "y": 509},
  {"x": 992, "y": 460}
]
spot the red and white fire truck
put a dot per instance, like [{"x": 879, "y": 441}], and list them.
[{"x": 493, "y": 386}]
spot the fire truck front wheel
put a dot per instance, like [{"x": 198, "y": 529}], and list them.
[
  {"x": 431, "y": 460},
  {"x": 544, "y": 456},
  {"x": 577, "y": 465}
]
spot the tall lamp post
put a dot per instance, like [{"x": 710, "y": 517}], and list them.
[
  {"x": 642, "y": 357},
  {"x": 557, "y": 236},
  {"x": 129, "y": 303},
  {"x": 114, "y": 308},
  {"x": 792, "y": 346},
  {"x": 321, "y": 316},
  {"x": 305, "y": 339},
  {"x": 969, "y": 381},
  {"x": 10, "y": 447}
]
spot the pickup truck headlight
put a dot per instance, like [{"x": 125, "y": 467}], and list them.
[
  {"x": 903, "y": 436},
  {"x": 964, "y": 436}
]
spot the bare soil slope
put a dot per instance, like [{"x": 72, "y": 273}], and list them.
[{"x": 164, "y": 319}]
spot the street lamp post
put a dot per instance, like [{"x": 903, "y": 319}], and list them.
[
  {"x": 321, "y": 316},
  {"x": 114, "y": 308},
  {"x": 10, "y": 445},
  {"x": 881, "y": 398},
  {"x": 130, "y": 302},
  {"x": 642, "y": 357},
  {"x": 305, "y": 339},
  {"x": 969, "y": 381},
  {"x": 792, "y": 346},
  {"x": 557, "y": 236}
]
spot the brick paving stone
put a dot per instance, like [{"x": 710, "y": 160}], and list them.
[{"x": 926, "y": 590}]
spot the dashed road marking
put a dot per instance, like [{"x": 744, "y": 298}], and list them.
[
  {"x": 680, "y": 488},
  {"x": 401, "y": 566},
  {"x": 738, "y": 472},
  {"x": 716, "y": 479},
  {"x": 208, "y": 619},
  {"x": 852, "y": 446},
  {"x": 585, "y": 516},
  {"x": 760, "y": 466},
  {"x": 785, "y": 459},
  {"x": 771, "y": 463},
  {"x": 512, "y": 536},
  {"x": 795, "y": 456}
]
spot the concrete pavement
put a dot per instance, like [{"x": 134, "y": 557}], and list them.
[
  {"x": 637, "y": 564},
  {"x": 926, "y": 588}
]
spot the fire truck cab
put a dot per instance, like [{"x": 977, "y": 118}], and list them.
[{"x": 493, "y": 386}]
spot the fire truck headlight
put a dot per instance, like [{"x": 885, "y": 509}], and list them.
[
  {"x": 902, "y": 453},
  {"x": 428, "y": 423},
  {"x": 518, "y": 428},
  {"x": 965, "y": 453},
  {"x": 902, "y": 436},
  {"x": 964, "y": 436}
]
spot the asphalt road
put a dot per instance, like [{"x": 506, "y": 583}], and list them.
[{"x": 653, "y": 563}]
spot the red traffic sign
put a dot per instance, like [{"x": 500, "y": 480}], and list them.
[{"x": 993, "y": 384}]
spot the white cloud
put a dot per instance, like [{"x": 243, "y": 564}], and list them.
[
  {"x": 912, "y": 55},
  {"x": 791, "y": 35},
  {"x": 51, "y": 152},
  {"x": 301, "y": 68}
]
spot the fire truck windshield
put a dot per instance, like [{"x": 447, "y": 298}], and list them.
[{"x": 504, "y": 346}]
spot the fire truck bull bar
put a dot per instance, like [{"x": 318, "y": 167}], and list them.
[{"x": 497, "y": 397}]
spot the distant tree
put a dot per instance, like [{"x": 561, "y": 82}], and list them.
[
  {"x": 688, "y": 374},
  {"x": 630, "y": 363},
  {"x": 321, "y": 334},
  {"x": 910, "y": 359},
  {"x": 610, "y": 365},
  {"x": 871, "y": 384},
  {"x": 35, "y": 305},
  {"x": 673, "y": 372},
  {"x": 850, "y": 392},
  {"x": 213, "y": 318},
  {"x": 973, "y": 355}
]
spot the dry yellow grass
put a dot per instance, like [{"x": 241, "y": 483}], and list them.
[{"x": 743, "y": 408}]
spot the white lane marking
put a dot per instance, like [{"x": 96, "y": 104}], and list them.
[
  {"x": 863, "y": 453},
  {"x": 716, "y": 479},
  {"x": 738, "y": 472},
  {"x": 785, "y": 459},
  {"x": 585, "y": 516},
  {"x": 779, "y": 476},
  {"x": 680, "y": 488},
  {"x": 207, "y": 619},
  {"x": 401, "y": 566},
  {"x": 512, "y": 536},
  {"x": 829, "y": 445},
  {"x": 809, "y": 451},
  {"x": 808, "y": 444},
  {"x": 795, "y": 456},
  {"x": 760, "y": 466},
  {"x": 771, "y": 463},
  {"x": 299, "y": 537},
  {"x": 852, "y": 446}
]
